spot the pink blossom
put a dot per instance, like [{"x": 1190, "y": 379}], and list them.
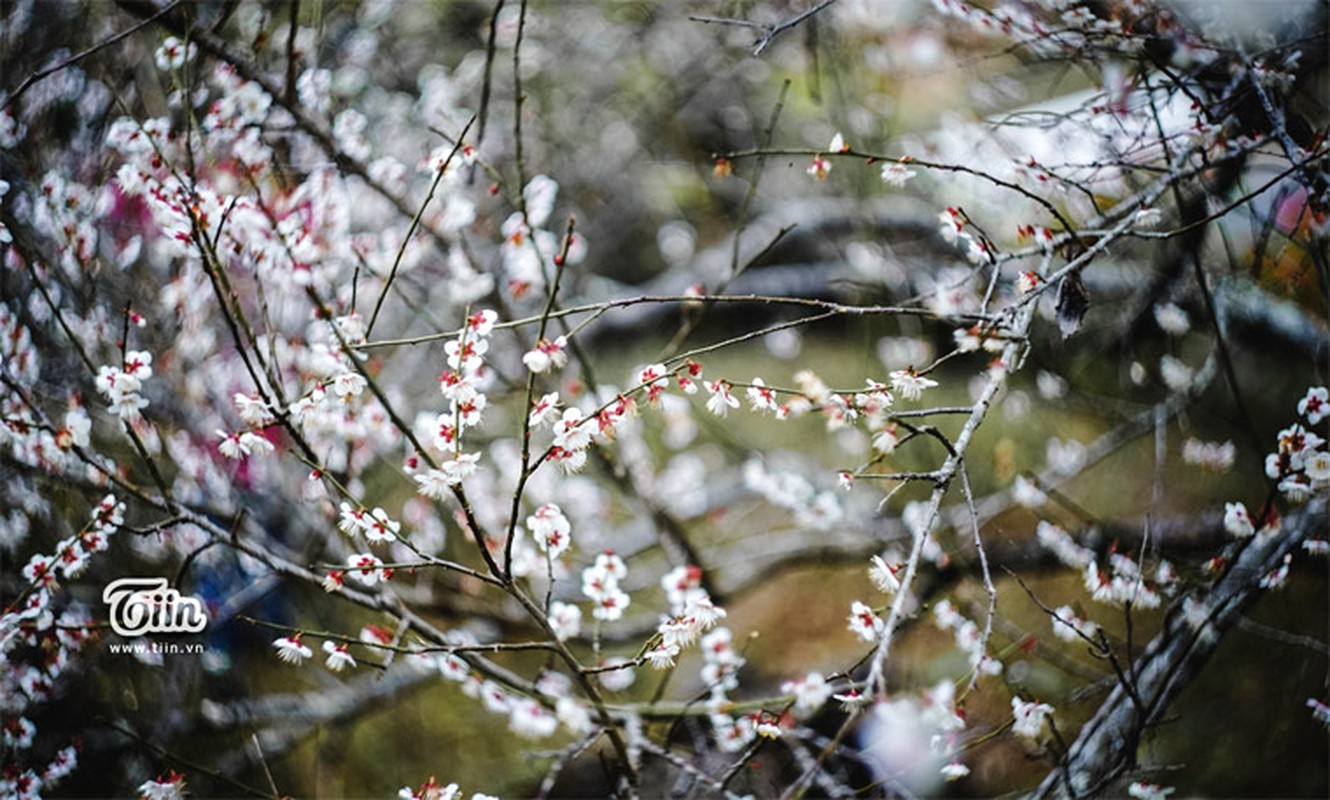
[
  {"x": 819, "y": 167},
  {"x": 864, "y": 623},
  {"x": 546, "y": 355},
  {"x": 551, "y": 530},
  {"x": 338, "y": 658},
  {"x": 1029, "y": 717},
  {"x": 910, "y": 384},
  {"x": 761, "y": 397},
  {"x": 1315, "y": 406},
  {"x": 885, "y": 576},
  {"x": 721, "y": 401},
  {"x": 291, "y": 650},
  {"x": 895, "y": 174}
]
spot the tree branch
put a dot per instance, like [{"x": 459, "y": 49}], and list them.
[{"x": 1106, "y": 747}]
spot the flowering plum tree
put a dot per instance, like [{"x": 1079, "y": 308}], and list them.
[{"x": 762, "y": 399}]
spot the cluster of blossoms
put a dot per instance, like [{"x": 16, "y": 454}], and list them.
[
  {"x": 1042, "y": 237},
  {"x": 720, "y": 674},
  {"x": 951, "y": 224},
  {"x": 811, "y": 506},
  {"x": 572, "y": 436},
  {"x": 1301, "y": 464},
  {"x": 36, "y": 644},
  {"x": 1057, "y": 28},
  {"x": 28, "y": 438},
  {"x": 551, "y": 530},
  {"x": 547, "y": 355},
  {"x": 600, "y": 584},
  {"x": 376, "y": 526},
  {"x": 170, "y": 786},
  {"x": 237, "y": 445},
  {"x": 810, "y": 692},
  {"x": 691, "y": 614},
  {"x": 988, "y": 338},
  {"x": 121, "y": 386},
  {"x": 1125, "y": 583},
  {"x": 463, "y": 384},
  {"x": 574, "y": 430},
  {"x": 530, "y": 253},
  {"x": 296, "y": 240},
  {"x": 841, "y": 409},
  {"x": 1029, "y": 717},
  {"x": 292, "y": 650},
  {"x": 1069, "y": 628},
  {"x": 1064, "y": 28},
  {"x": 528, "y": 717},
  {"x": 334, "y": 410},
  {"x": 970, "y": 639},
  {"x": 69, "y": 212},
  {"x": 429, "y": 790},
  {"x": 1058, "y": 542},
  {"x": 1209, "y": 456},
  {"x": 373, "y": 526},
  {"x": 366, "y": 569},
  {"x": 863, "y": 620},
  {"x": 72, "y": 554},
  {"x": 915, "y": 739}
]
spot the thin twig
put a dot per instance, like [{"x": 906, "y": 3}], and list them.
[
  {"x": 769, "y": 32},
  {"x": 77, "y": 57},
  {"x": 415, "y": 223},
  {"x": 267, "y": 771}
]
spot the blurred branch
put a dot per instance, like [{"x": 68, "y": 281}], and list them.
[
  {"x": 166, "y": 755},
  {"x": 415, "y": 223},
  {"x": 691, "y": 321},
  {"x": 1261, "y": 320},
  {"x": 769, "y": 32},
  {"x": 1277, "y": 635},
  {"x": 487, "y": 84},
  {"x": 1106, "y": 445},
  {"x": 282, "y": 721}
]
